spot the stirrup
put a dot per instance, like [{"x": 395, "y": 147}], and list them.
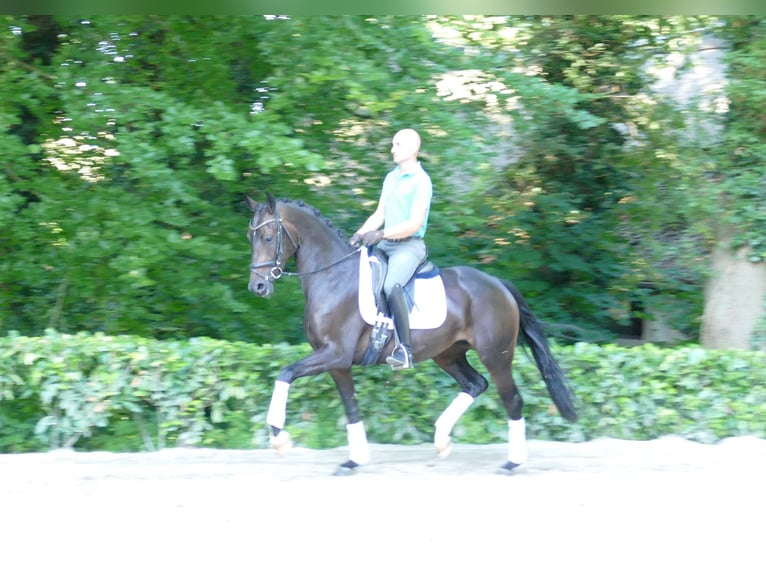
[{"x": 400, "y": 358}]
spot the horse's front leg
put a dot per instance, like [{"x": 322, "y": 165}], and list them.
[
  {"x": 322, "y": 360},
  {"x": 280, "y": 438},
  {"x": 358, "y": 447}
]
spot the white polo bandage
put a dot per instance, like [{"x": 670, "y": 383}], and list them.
[
  {"x": 450, "y": 416},
  {"x": 358, "y": 448},
  {"x": 278, "y": 406},
  {"x": 517, "y": 441}
]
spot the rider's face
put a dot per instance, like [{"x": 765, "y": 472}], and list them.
[{"x": 404, "y": 148}]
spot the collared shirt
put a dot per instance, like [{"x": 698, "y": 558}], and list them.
[{"x": 405, "y": 191}]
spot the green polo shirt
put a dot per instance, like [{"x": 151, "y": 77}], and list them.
[{"x": 403, "y": 192}]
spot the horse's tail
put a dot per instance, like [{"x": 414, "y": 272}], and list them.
[{"x": 533, "y": 336}]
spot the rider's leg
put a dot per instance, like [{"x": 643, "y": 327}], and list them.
[
  {"x": 401, "y": 358},
  {"x": 403, "y": 260}
]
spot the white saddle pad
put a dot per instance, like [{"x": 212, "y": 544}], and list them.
[{"x": 429, "y": 311}]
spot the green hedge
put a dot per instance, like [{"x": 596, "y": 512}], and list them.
[{"x": 99, "y": 392}]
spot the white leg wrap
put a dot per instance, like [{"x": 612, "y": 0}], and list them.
[
  {"x": 517, "y": 441},
  {"x": 278, "y": 405},
  {"x": 358, "y": 448},
  {"x": 449, "y": 417}
]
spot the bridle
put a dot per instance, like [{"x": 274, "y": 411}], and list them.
[
  {"x": 276, "y": 264},
  {"x": 276, "y": 270}
]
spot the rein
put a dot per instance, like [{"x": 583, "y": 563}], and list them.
[
  {"x": 276, "y": 270},
  {"x": 333, "y": 264}
]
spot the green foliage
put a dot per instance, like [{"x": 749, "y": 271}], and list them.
[
  {"x": 133, "y": 141},
  {"x": 127, "y": 393},
  {"x": 739, "y": 166},
  {"x": 595, "y": 207},
  {"x": 130, "y": 142},
  {"x": 648, "y": 391},
  {"x": 758, "y": 337}
]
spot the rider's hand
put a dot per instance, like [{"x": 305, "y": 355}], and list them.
[
  {"x": 355, "y": 239},
  {"x": 372, "y": 237}
]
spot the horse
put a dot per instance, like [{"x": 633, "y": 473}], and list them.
[{"x": 484, "y": 313}]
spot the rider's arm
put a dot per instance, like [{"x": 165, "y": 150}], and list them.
[{"x": 375, "y": 221}]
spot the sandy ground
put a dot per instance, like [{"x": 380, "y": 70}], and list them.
[{"x": 667, "y": 505}]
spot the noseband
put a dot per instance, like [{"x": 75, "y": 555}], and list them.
[{"x": 276, "y": 264}]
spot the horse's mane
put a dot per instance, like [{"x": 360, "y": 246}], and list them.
[{"x": 300, "y": 204}]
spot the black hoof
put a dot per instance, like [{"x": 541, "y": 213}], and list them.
[
  {"x": 346, "y": 469},
  {"x": 507, "y": 468}
]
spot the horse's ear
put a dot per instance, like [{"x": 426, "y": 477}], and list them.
[
  {"x": 251, "y": 203},
  {"x": 271, "y": 202}
]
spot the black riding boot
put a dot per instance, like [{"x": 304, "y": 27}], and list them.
[{"x": 401, "y": 358}]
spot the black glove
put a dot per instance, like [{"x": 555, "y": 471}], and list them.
[
  {"x": 372, "y": 237},
  {"x": 355, "y": 239}
]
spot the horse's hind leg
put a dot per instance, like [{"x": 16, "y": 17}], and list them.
[
  {"x": 358, "y": 447},
  {"x": 472, "y": 385},
  {"x": 500, "y": 371}
]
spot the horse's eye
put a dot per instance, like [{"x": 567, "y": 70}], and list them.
[{"x": 268, "y": 239}]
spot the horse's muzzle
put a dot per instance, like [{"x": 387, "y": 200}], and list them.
[{"x": 260, "y": 287}]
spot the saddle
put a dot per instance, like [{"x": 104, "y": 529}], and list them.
[
  {"x": 379, "y": 267},
  {"x": 423, "y": 293}
]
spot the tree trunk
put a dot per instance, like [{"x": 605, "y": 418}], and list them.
[{"x": 734, "y": 299}]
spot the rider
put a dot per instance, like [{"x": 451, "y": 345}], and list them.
[{"x": 402, "y": 211}]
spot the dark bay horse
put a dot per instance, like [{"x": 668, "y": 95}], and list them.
[{"x": 483, "y": 312}]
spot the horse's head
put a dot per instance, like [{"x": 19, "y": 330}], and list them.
[{"x": 267, "y": 234}]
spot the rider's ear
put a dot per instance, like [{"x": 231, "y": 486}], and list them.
[{"x": 271, "y": 202}]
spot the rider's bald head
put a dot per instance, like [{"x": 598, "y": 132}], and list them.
[{"x": 410, "y": 136}]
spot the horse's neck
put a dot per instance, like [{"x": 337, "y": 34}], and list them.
[
  {"x": 330, "y": 277},
  {"x": 320, "y": 246}
]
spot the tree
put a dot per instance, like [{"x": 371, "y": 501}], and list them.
[
  {"x": 592, "y": 210},
  {"x": 134, "y": 140},
  {"x": 131, "y": 142},
  {"x": 735, "y": 310}
]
